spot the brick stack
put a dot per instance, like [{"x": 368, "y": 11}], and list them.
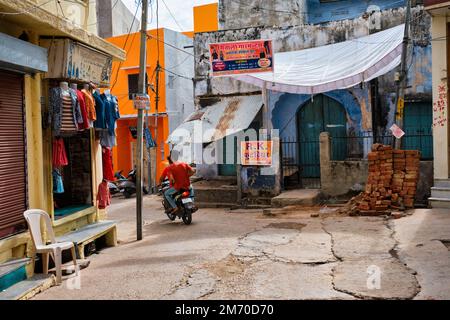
[
  {"x": 392, "y": 181},
  {"x": 378, "y": 192}
]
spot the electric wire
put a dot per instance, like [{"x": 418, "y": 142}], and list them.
[
  {"x": 126, "y": 41},
  {"x": 171, "y": 14}
]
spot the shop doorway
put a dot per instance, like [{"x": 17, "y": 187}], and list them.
[
  {"x": 417, "y": 126},
  {"x": 76, "y": 177},
  {"x": 301, "y": 156},
  {"x": 13, "y": 169}
]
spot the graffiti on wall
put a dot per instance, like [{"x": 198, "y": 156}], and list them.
[{"x": 440, "y": 106}]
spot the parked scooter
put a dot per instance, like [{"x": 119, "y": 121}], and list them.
[
  {"x": 184, "y": 201},
  {"x": 127, "y": 185}
]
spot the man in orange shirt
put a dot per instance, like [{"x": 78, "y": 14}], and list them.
[{"x": 179, "y": 177}]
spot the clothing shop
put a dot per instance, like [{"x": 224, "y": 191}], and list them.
[
  {"x": 81, "y": 122},
  {"x": 53, "y": 126}
]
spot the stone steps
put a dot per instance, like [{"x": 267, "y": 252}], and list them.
[
  {"x": 443, "y": 203},
  {"x": 12, "y": 272},
  {"x": 300, "y": 197},
  {"x": 28, "y": 288},
  {"x": 440, "y": 194}
]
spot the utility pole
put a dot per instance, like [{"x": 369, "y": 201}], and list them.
[
  {"x": 140, "y": 125},
  {"x": 157, "y": 114},
  {"x": 402, "y": 81}
]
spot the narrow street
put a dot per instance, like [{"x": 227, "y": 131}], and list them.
[{"x": 242, "y": 254}]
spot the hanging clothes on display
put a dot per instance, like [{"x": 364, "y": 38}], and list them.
[
  {"x": 67, "y": 119},
  {"x": 58, "y": 185},
  {"x": 111, "y": 112},
  {"x": 90, "y": 106},
  {"x": 59, "y": 156},
  {"x": 103, "y": 195},
  {"x": 108, "y": 138},
  {"x": 108, "y": 171},
  {"x": 64, "y": 110},
  {"x": 84, "y": 115},
  {"x": 100, "y": 122}
]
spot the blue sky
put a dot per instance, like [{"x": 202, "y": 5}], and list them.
[{"x": 181, "y": 10}]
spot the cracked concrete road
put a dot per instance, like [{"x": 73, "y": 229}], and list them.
[{"x": 243, "y": 254}]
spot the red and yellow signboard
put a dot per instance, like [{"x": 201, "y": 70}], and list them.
[
  {"x": 256, "y": 153},
  {"x": 228, "y": 58}
]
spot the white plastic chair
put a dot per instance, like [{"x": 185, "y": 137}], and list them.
[{"x": 33, "y": 218}]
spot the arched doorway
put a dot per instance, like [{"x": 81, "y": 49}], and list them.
[{"x": 321, "y": 114}]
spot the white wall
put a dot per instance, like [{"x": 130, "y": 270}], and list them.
[
  {"x": 179, "y": 91},
  {"x": 440, "y": 133}
]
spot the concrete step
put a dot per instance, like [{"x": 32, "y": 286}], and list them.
[
  {"x": 300, "y": 197},
  {"x": 12, "y": 272},
  {"x": 224, "y": 194},
  {"x": 440, "y": 192},
  {"x": 28, "y": 288},
  {"x": 204, "y": 205},
  {"x": 442, "y": 183},
  {"x": 439, "y": 202}
]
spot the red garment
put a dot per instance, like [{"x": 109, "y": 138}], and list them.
[
  {"x": 103, "y": 195},
  {"x": 85, "y": 124},
  {"x": 108, "y": 172},
  {"x": 166, "y": 174},
  {"x": 59, "y": 156},
  {"x": 179, "y": 172}
]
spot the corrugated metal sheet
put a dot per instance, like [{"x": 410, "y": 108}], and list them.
[
  {"x": 227, "y": 117},
  {"x": 13, "y": 196}
]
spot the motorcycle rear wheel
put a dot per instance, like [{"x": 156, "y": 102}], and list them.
[{"x": 187, "y": 217}]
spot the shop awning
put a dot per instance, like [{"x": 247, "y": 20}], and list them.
[
  {"x": 331, "y": 67},
  {"x": 226, "y": 117}
]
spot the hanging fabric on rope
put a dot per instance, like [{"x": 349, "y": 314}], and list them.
[
  {"x": 149, "y": 139},
  {"x": 103, "y": 195},
  {"x": 108, "y": 172},
  {"x": 59, "y": 156}
]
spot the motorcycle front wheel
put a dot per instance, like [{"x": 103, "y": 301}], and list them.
[
  {"x": 127, "y": 194},
  {"x": 187, "y": 217}
]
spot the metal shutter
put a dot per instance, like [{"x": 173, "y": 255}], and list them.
[{"x": 13, "y": 189}]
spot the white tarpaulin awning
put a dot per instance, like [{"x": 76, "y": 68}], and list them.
[
  {"x": 331, "y": 67},
  {"x": 228, "y": 116}
]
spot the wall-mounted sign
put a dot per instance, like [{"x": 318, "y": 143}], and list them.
[
  {"x": 141, "y": 101},
  {"x": 74, "y": 61},
  {"x": 240, "y": 57},
  {"x": 256, "y": 153}
]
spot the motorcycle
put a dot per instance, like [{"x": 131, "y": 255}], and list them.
[
  {"x": 127, "y": 185},
  {"x": 184, "y": 202}
]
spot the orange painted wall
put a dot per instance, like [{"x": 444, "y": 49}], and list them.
[
  {"x": 122, "y": 154},
  {"x": 206, "y": 18}
]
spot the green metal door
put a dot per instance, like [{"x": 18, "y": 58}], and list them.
[
  {"x": 319, "y": 115},
  {"x": 226, "y": 168},
  {"x": 417, "y": 126}
]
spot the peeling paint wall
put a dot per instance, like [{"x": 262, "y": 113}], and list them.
[
  {"x": 363, "y": 115},
  {"x": 320, "y": 12},
  {"x": 261, "y": 13},
  {"x": 289, "y": 38}
]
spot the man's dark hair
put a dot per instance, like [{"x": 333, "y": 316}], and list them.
[{"x": 169, "y": 158}]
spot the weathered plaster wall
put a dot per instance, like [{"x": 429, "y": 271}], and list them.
[
  {"x": 340, "y": 177},
  {"x": 261, "y": 13},
  {"x": 320, "y": 12},
  {"x": 289, "y": 38}
]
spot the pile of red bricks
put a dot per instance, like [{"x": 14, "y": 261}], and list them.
[{"x": 392, "y": 181}]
